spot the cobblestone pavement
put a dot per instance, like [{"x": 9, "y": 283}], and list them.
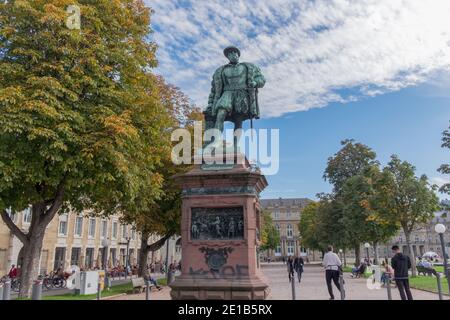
[{"x": 312, "y": 287}]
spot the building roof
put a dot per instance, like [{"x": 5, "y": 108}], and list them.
[{"x": 285, "y": 202}]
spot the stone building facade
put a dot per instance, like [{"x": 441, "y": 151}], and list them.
[
  {"x": 286, "y": 216},
  {"x": 73, "y": 239}
]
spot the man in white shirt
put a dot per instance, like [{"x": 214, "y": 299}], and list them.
[{"x": 331, "y": 263}]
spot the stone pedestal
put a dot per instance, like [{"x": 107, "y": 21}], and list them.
[{"x": 221, "y": 219}]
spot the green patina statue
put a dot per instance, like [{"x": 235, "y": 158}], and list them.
[{"x": 234, "y": 92}]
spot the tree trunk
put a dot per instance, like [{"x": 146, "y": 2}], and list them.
[
  {"x": 345, "y": 260},
  {"x": 375, "y": 252},
  {"x": 145, "y": 249},
  {"x": 31, "y": 257},
  {"x": 357, "y": 254},
  {"x": 411, "y": 253},
  {"x": 32, "y": 241},
  {"x": 143, "y": 256}
]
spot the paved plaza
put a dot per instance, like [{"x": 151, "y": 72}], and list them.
[{"x": 312, "y": 287}]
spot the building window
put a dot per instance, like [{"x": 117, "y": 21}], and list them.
[
  {"x": 288, "y": 214},
  {"x": 124, "y": 231},
  {"x": 60, "y": 256},
  {"x": 113, "y": 256},
  {"x": 132, "y": 257},
  {"x": 133, "y": 234},
  {"x": 62, "y": 230},
  {"x": 114, "y": 230},
  {"x": 78, "y": 226},
  {"x": 11, "y": 214},
  {"x": 277, "y": 226},
  {"x": 122, "y": 257},
  {"x": 75, "y": 256},
  {"x": 277, "y": 215},
  {"x": 27, "y": 215},
  {"x": 278, "y": 250},
  {"x": 91, "y": 231},
  {"x": 290, "y": 248},
  {"x": 104, "y": 228},
  {"x": 89, "y": 257},
  {"x": 289, "y": 231}
]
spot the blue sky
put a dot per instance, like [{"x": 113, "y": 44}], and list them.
[
  {"x": 377, "y": 71},
  {"x": 408, "y": 123}
]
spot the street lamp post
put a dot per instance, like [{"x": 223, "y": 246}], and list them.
[
  {"x": 440, "y": 229},
  {"x": 367, "y": 246},
  {"x": 127, "y": 255},
  {"x": 105, "y": 244},
  {"x": 167, "y": 260}
]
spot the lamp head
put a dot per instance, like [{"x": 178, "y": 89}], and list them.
[
  {"x": 440, "y": 228},
  {"x": 367, "y": 245}
]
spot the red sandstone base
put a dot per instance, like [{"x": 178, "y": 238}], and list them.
[{"x": 214, "y": 267}]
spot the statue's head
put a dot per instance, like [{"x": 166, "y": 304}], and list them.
[{"x": 232, "y": 53}]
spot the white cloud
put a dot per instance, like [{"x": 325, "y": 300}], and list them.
[
  {"x": 440, "y": 180},
  {"x": 308, "y": 50}
]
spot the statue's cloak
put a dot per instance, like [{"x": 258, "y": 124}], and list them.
[{"x": 253, "y": 75}]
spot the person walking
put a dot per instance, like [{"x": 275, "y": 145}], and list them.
[
  {"x": 290, "y": 268},
  {"x": 401, "y": 264},
  {"x": 298, "y": 267},
  {"x": 331, "y": 263}
]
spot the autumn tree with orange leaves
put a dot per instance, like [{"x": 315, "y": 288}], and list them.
[{"x": 81, "y": 124}]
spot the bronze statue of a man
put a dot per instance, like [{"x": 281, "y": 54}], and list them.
[{"x": 234, "y": 92}]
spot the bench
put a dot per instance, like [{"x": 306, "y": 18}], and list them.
[
  {"x": 140, "y": 284},
  {"x": 360, "y": 272},
  {"x": 425, "y": 271}
]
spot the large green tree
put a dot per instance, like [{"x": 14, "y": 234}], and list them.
[
  {"x": 270, "y": 237},
  {"x": 307, "y": 226},
  {"x": 80, "y": 126},
  {"x": 320, "y": 225},
  {"x": 161, "y": 215},
  {"x": 445, "y": 168},
  {"x": 352, "y": 159},
  {"x": 405, "y": 199},
  {"x": 357, "y": 199}
]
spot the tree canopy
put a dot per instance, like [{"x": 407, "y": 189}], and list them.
[
  {"x": 445, "y": 168},
  {"x": 80, "y": 119}
]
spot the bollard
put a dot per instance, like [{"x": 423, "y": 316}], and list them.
[
  {"x": 388, "y": 286},
  {"x": 341, "y": 286},
  {"x": 99, "y": 291},
  {"x": 293, "y": 286},
  {"x": 147, "y": 291},
  {"x": 36, "y": 292},
  {"x": 7, "y": 290},
  {"x": 438, "y": 279}
]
